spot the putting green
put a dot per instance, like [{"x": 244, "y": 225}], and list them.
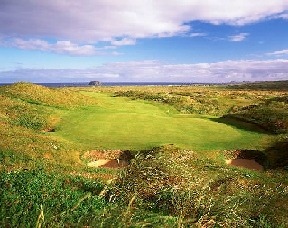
[{"x": 120, "y": 123}]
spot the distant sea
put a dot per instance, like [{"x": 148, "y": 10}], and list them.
[{"x": 85, "y": 84}]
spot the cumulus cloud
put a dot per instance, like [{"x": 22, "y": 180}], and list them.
[
  {"x": 104, "y": 20},
  {"x": 154, "y": 71},
  {"x": 238, "y": 38}
]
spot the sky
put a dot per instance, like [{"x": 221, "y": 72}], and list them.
[{"x": 143, "y": 40}]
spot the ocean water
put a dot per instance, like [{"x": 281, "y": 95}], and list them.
[{"x": 85, "y": 84}]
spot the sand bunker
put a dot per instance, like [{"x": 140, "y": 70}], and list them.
[
  {"x": 108, "y": 163},
  {"x": 245, "y": 163},
  {"x": 108, "y": 158}
]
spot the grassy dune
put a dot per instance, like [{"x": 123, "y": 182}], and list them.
[{"x": 46, "y": 133}]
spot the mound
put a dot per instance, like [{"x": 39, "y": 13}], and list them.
[
  {"x": 36, "y": 94},
  {"x": 271, "y": 115}
]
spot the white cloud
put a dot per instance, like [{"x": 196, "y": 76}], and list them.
[
  {"x": 61, "y": 47},
  {"x": 92, "y": 21},
  {"x": 197, "y": 34},
  {"x": 277, "y": 53},
  {"x": 238, "y": 38},
  {"x": 73, "y": 49},
  {"x": 154, "y": 71}
]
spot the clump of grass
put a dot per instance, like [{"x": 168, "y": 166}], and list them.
[
  {"x": 30, "y": 198},
  {"x": 201, "y": 192},
  {"x": 272, "y": 115}
]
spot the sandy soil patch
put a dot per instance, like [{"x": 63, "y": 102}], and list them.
[
  {"x": 245, "y": 163},
  {"x": 107, "y": 158},
  {"x": 102, "y": 154}
]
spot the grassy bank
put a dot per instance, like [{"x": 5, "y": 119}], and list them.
[{"x": 45, "y": 134}]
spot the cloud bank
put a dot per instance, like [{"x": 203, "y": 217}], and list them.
[
  {"x": 92, "y": 21},
  {"x": 97, "y": 27},
  {"x": 154, "y": 71}
]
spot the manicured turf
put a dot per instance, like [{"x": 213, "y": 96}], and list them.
[{"x": 120, "y": 123}]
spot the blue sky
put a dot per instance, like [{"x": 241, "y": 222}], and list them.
[{"x": 143, "y": 41}]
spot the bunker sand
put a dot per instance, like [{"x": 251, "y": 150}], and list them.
[
  {"x": 108, "y": 163},
  {"x": 245, "y": 163},
  {"x": 107, "y": 158}
]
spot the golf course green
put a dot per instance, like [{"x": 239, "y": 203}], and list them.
[{"x": 121, "y": 123}]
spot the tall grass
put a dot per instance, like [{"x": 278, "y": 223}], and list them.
[
  {"x": 203, "y": 193},
  {"x": 37, "y": 199}
]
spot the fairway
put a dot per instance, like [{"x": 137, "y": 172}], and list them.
[{"x": 120, "y": 123}]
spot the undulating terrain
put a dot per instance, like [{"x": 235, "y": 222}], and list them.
[{"x": 169, "y": 146}]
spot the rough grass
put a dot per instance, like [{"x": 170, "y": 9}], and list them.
[
  {"x": 268, "y": 86},
  {"x": 37, "y": 199},
  {"x": 271, "y": 115},
  {"x": 202, "y": 192},
  {"x": 40, "y": 95},
  {"x": 198, "y": 100}
]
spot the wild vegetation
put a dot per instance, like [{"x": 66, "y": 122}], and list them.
[{"x": 177, "y": 139}]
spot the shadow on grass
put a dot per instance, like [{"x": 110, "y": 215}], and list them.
[
  {"x": 277, "y": 155},
  {"x": 273, "y": 157},
  {"x": 241, "y": 124}
]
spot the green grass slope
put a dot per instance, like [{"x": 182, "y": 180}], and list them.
[
  {"x": 27, "y": 111},
  {"x": 119, "y": 123},
  {"x": 40, "y": 95}
]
